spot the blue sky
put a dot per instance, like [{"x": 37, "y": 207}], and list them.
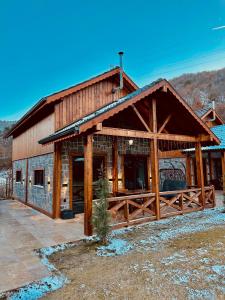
[{"x": 48, "y": 45}]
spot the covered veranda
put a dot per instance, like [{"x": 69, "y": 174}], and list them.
[{"x": 157, "y": 115}]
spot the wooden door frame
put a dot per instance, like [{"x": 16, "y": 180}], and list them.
[{"x": 73, "y": 154}]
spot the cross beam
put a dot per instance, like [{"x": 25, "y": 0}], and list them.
[{"x": 147, "y": 135}]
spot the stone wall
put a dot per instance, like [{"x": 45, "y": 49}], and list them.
[
  {"x": 41, "y": 196},
  {"x": 38, "y": 196},
  {"x": 103, "y": 145},
  {"x": 19, "y": 188}
]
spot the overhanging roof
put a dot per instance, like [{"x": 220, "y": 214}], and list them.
[
  {"x": 219, "y": 131},
  {"x": 109, "y": 110},
  {"x": 204, "y": 112}
]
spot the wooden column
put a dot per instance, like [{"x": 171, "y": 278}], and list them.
[
  {"x": 223, "y": 169},
  {"x": 188, "y": 170},
  {"x": 154, "y": 158},
  {"x": 210, "y": 166},
  {"x": 199, "y": 169},
  {"x": 155, "y": 175},
  {"x": 88, "y": 179},
  {"x": 115, "y": 165},
  {"x": 57, "y": 180}
]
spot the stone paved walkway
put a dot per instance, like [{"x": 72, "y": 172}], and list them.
[{"x": 22, "y": 230}]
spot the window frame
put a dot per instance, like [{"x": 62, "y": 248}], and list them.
[
  {"x": 34, "y": 178},
  {"x": 21, "y": 177}
]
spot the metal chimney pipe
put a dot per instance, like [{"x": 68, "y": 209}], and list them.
[
  {"x": 213, "y": 111},
  {"x": 121, "y": 69},
  {"x": 214, "y": 108}
]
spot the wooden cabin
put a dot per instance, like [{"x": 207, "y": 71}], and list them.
[{"x": 60, "y": 144}]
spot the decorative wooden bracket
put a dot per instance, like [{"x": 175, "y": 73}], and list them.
[
  {"x": 141, "y": 118},
  {"x": 164, "y": 124}
]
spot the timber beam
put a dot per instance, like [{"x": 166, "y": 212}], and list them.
[{"x": 147, "y": 135}]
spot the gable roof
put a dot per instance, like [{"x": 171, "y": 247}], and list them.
[
  {"x": 109, "y": 110},
  {"x": 205, "y": 111},
  {"x": 48, "y": 100}
]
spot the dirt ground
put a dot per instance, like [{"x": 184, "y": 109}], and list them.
[{"x": 177, "y": 258}]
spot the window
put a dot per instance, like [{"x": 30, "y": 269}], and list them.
[
  {"x": 39, "y": 177},
  {"x": 135, "y": 172},
  {"x": 18, "y": 176}
]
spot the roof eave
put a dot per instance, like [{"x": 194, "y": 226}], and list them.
[{"x": 25, "y": 117}]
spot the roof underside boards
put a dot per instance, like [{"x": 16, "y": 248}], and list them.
[
  {"x": 170, "y": 97},
  {"x": 219, "y": 131},
  {"x": 48, "y": 100}
]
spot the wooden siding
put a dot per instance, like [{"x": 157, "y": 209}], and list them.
[
  {"x": 26, "y": 144},
  {"x": 85, "y": 101}
]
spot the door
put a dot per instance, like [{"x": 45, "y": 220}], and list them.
[
  {"x": 217, "y": 171},
  {"x": 135, "y": 172},
  {"x": 78, "y": 180}
]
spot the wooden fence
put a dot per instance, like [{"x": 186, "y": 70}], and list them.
[{"x": 140, "y": 208}]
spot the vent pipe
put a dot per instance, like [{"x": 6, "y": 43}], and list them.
[
  {"x": 121, "y": 69},
  {"x": 213, "y": 111},
  {"x": 120, "y": 87}
]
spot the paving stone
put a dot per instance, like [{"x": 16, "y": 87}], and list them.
[{"x": 22, "y": 230}]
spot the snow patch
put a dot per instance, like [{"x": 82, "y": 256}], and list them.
[
  {"x": 114, "y": 248},
  {"x": 37, "y": 290}
]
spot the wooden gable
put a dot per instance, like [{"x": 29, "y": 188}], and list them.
[{"x": 88, "y": 99}]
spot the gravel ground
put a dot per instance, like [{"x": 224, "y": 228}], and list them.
[{"x": 177, "y": 258}]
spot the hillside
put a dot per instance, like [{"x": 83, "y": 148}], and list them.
[
  {"x": 5, "y": 145},
  {"x": 200, "y": 88},
  {"x": 5, "y": 124}
]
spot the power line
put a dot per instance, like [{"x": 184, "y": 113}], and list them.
[{"x": 184, "y": 68}]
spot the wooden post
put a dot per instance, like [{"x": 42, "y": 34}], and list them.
[
  {"x": 223, "y": 168},
  {"x": 199, "y": 168},
  {"x": 188, "y": 170},
  {"x": 155, "y": 175},
  {"x": 210, "y": 167},
  {"x": 154, "y": 158},
  {"x": 88, "y": 178},
  {"x": 115, "y": 165},
  {"x": 57, "y": 181}
]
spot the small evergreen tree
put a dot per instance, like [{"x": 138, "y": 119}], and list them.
[{"x": 101, "y": 216}]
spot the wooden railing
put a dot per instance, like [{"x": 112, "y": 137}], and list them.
[
  {"x": 184, "y": 201},
  {"x": 210, "y": 196},
  {"x": 132, "y": 209},
  {"x": 140, "y": 208}
]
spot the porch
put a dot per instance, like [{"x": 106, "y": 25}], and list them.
[{"x": 139, "y": 189}]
